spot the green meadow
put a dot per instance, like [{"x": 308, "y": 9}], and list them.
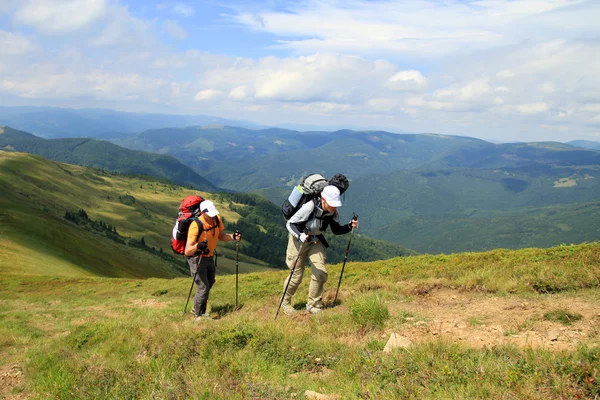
[
  {"x": 504, "y": 324},
  {"x": 94, "y": 307}
]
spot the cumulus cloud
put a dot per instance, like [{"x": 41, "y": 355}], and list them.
[
  {"x": 12, "y": 44},
  {"x": 174, "y": 30},
  {"x": 60, "y": 16},
  {"x": 483, "y": 67},
  {"x": 122, "y": 29},
  {"x": 407, "y": 81},
  {"x": 207, "y": 94},
  {"x": 532, "y": 108}
]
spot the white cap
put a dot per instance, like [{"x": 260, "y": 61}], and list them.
[
  {"x": 208, "y": 208},
  {"x": 331, "y": 194}
]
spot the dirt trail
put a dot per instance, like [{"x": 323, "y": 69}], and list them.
[{"x": 479, "y": 320}]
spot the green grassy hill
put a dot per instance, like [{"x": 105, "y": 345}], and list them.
[
  {"x": 104, "y": 155},
  {"x": 38, "y": 239},
  {"x": 120, "y": 211},
  {"x": 501, "y": 324}
]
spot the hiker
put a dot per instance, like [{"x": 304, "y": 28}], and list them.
[
  {"x": 199, "y": 250},
  {"x": 306, "y": 241}
]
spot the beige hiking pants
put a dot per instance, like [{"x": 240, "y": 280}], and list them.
[{"x": 315, "y": 253}]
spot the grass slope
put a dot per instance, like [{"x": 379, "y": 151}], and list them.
[
  {"x": 124, "y": 338},
  {"x": 105, "y": 155},
  {"x": 36, "y": 193}
]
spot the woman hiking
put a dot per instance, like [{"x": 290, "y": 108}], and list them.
[{"x": 306, "y": 242}]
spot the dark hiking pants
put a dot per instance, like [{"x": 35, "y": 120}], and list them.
[{"x": 205, "y": 279}]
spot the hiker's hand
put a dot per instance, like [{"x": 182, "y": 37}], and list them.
[
  {"x": 202, "y": 247},
  {"x": 303, "y": 237},
  {"x": 354, "y": 223},
  {"x": 237, "y": 236}
]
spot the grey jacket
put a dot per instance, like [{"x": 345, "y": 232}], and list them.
[{"x": 313, "y": 220}]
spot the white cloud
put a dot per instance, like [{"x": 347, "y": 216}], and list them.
[
  {"x": 174, "y": 30},
  {"x": 207, "y": 94},
  {"x": 12, "y": 44},
  {"x": 183, "y": 10},
  {"x": 239, "y": 93},
  {"x": 122, "y": 86},
  {"x": 533, "y": 108},
  {"x": 423, "y": 28},
  {"x": 124, "y": 30},
  {"x": 60, "y": 16},
  {"x": 496, "y": 67},
  {"x": 407, "y": 81},
  {"x": 7, "y": 6}
]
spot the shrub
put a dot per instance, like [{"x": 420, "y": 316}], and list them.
[{"x": 369, "y": 311}]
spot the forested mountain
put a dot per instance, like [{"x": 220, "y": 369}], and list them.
[
  {"x": 54, "y": 122},
  {"x": 432, "y": 193},
  {"x": 244, "y": 160},
  {"x": 104, "y": 155},
  {"x": 61, "y": 219},
  {"x": 472, "y": 209}
]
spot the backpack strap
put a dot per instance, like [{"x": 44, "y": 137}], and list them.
[{"x": 200, "y": 226}]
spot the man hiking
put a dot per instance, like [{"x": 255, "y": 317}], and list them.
[
  {"x": 306, "y": 241},
  {"x": 199, "y": 251}
]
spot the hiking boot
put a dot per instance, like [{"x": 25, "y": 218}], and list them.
[
  {"x": 288, "y": 309},
  {"x": 202, "y": 317},
  {"x": 313, "y": 310},
  {"x": 193, "y": 310}
]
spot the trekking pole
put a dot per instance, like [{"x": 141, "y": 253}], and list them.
[
  {"x": 236, "y": 273},
  {"x": 354, "y": 218},
  {"x": 188, "y": 299},
  {"x": 289, "y": 280}
]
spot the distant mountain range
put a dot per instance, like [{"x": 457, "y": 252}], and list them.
[
  {"x": 586, "y": 144},
  {"x": 431, "y": 193},
  {"x": 53, "y": 122},
  {"x": 244, "y": 160},
  {"x": 428, "y": 192}
]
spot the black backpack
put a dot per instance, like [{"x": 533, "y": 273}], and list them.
[{"x": 309, "y": 188}]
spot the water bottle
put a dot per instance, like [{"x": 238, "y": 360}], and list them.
[{"x": 295, "y": 196}]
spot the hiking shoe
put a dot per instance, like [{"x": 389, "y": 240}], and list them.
[
  {"x": 313, "y": 310},
  {"x": 202, "y": 317},
  {"x": 193, "y": 310},
  {"x": 288, "y": 309}
]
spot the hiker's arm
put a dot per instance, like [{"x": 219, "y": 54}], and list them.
[
  {"x": 226, "y": 237},
  {"x": 338, "y": 229},
  {"x": 297, "y": 222},
  {"x": 192, "y": 247}
]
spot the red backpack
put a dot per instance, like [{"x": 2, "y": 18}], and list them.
[{"x": 189, "y": 211}]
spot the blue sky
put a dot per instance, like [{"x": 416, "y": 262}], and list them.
[{"x": 494, "y": 69}]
